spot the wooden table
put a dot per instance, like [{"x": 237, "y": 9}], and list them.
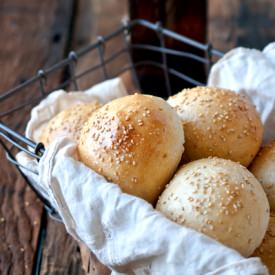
[{"x": 36, "y": 34}]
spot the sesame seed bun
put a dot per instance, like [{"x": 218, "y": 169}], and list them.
[
  {"x": 68, "y": 122},
  {"x": 135, "y": 141},
  {"x": 263, "y": 168},
  {"x": 267, "y": 249},
  {"x": 221, "y": 199},
  {"x": 218, "y": 122}
]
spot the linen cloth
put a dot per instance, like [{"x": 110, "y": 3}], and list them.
[{"x": 123, "y": 231}]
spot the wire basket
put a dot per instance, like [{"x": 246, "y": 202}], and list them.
[{"x": 39, "y": 86}]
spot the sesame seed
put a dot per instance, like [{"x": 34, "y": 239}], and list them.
[{"x": 211, "y": 227}]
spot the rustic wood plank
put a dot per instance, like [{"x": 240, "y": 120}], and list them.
[
  {"x": 33, "y": 34},
  {"x": 98, "y": 18},
  {"x": 222, "y": 23},
  {"x": 19, "y": 223},
  {"x": 91, "y": 264},
  {"x": 61, "y": 254},
  {"x": 20, "y": 210},
  {"x": 248, "y": 23}
]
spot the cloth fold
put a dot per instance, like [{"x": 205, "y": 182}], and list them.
[{"x": 125, "y": 232}]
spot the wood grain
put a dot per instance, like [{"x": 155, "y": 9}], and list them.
[
  {"x": 98, "y": 18},
  {"x": 61, "y": 254},
  {"x": 247, "y": 23},
  {"x": 19, "y": 223},
  {"x": 91, "y": 264},
  {"x": 20, "y": 210},
  {"x": 34, "y": 34}
]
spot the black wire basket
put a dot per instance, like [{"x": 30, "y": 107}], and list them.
[{"x": 39, "y": 87}]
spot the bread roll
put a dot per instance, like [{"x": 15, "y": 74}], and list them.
[
  {"x": 218, "y": 122},
  {"x": 221, "y": 199},
  {"x": 263, "y": 168},
  {"x": 68, "y": 122},
  {"x": 135, "y": 141},
  {"x": 267, "y": 249}
]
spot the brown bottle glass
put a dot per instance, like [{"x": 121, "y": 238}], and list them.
[{"x": 186, "y": 17}]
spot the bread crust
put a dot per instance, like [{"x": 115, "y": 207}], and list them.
[
  {"x": 68, "y": 123},
  {"x": 221, "y": 199},
  {"x": 218, "y": 122},
  {"x": 263, "y": 168},
  {"x": 135, "y": 141}
]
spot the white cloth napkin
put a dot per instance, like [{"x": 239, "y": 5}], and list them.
[
  {"x": 250, "y": 72},
  {"x": 123, "y": 231},
  {"x": 56, "y": 102},
  {"x": 60, "y": 100}
]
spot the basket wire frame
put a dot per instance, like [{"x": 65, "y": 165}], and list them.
[{"x": 36, "y": 150}]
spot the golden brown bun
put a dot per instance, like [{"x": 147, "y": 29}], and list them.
[
  {"x": 267, "y": 249},
  {"x": 135, "y": 141},
  {"x": 263, "y": 168},
  {"x": 218, "y": 122},
  {"x": 221, "y": 199},
  {"x": 68, "y": 122}
]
